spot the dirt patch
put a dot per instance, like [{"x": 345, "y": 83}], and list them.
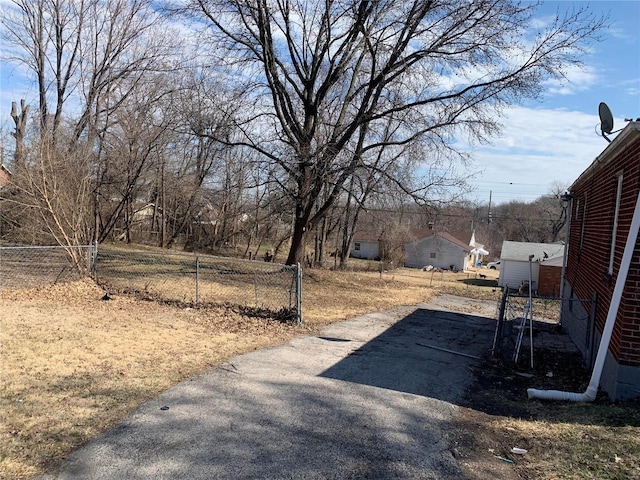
[{"x": 563, "y": 440}]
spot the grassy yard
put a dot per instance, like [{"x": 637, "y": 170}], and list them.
[{"x": 73, "y": 365}]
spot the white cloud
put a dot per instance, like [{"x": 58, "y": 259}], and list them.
[
  {"x": 536, "y": 148},
  {"x": 577, "y": 79}
]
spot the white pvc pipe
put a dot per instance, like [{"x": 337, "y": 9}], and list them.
[{"x": 591, "y": 391}]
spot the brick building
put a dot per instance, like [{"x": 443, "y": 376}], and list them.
[
  {"x": 602, "y": 207},
  {"x": 549, "y": 277}
]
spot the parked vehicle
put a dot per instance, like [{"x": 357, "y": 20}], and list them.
[{"x": 494, "y": 265}]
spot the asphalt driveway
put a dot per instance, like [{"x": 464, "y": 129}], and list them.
[{"x": 372, "y": 397}]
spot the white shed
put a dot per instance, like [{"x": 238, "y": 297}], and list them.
[
  {"x": 514, "y": 261},
  {"x": 366, "y": 245},
  {"x": 441, "y": 250}
]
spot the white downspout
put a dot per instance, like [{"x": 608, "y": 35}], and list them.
[{"x": 591, "y": 391}]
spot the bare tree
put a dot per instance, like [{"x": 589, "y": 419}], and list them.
[
  {"x": 124, "y": 43},
  {"x": 98, "y": 66},
  {"x": 126, "y": 161},
  {"x": 20, "y": 120},
  {"x": 197, "y": 157},
  {"x": 553, "y": 208},
  {"x": 51, "y": 198},
  {"x": 84, "y": 50},
  {"x": 321, "y": 76},
  {"x": 27, "y": 26}
]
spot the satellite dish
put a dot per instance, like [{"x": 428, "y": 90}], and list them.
[{"x": 606, "y": 119}]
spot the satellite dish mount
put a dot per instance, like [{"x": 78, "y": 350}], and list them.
[{"x": 606, "y": 120}]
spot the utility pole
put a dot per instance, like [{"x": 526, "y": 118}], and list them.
[{"x": 489, "y": 216}]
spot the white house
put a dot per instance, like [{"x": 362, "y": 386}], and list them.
[
  {"x": 441, "y": 250},
  {"x": 366, "y": 245},
  {"x": 477, "y": 250},
  {"x": 514, "y": 261}
]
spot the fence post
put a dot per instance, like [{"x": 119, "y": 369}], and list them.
[
  {"x": 93, "y": 260},
  {"x": 255, "y": 285},
  {"x": 197, "y": 278},
  {"x": 298, "y": 293},
  {"x": 498, "y": 337}
]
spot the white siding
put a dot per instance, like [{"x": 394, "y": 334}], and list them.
[
  {"x": 419, "y": 254},
  {"x": 514, "y": 272},
  {"x": 368, "y": 250}
]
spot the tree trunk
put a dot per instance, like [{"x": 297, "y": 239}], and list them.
[
  {"x": 344, "y": 247},
  {"x": 21, "y": 128},
  {"x": 296, "y": 252}
]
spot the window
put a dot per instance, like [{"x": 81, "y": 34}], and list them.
[
  {"x": 432, "y": 255},
  {"x": 615, "y": 224},
  {"x": 356, "y": 246}
]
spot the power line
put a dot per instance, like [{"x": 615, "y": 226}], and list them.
[{"x": 459, "y": 215}]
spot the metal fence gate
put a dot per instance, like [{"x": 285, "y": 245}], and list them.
[{"x": 515, "y": 314}]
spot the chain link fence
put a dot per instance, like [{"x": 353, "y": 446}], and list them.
[
  {"x": 189, "y": 278},
  {"x": 33, "y": 267},
  {"x": 515, "y": 314},
  {"x": 202, "y": 279}
]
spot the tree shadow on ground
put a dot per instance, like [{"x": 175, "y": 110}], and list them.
[{"x": 428, "y": 353}]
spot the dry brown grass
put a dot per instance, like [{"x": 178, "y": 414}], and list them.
[
  {"x": 564, "y": 440},
  {"x": 74, "y": 365},
  {"x": 330, "y": 296}
]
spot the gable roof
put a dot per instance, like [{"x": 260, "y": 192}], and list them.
[
  {"x": 520, "y": 251},
  {"x": 629, "y": 134},
  {"x": 463, "y": 236},
  {"x": 452, "y": 239},
  {"x": 366, "y": 236},
  {"x": 445, "y": 236},
  {"x": 417, "y": 234}
]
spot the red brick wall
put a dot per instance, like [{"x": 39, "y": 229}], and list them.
[
  {"x": 587, "y": 267},
  {"x": 549, "y": 281}
]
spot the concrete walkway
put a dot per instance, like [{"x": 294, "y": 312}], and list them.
[{"x": 371, "y": 397}]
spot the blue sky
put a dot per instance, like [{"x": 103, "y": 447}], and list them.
[
  {"x": 556, "y": 137},
  {"x": 551, "y": 139}
]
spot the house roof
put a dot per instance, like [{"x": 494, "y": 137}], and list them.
[
  {"x": 520, "y": 251},
  {"x": 366, "y": 236},
  {"x": 417, "y": 234},
  {"x": 553, "y": 262},
  {"x": 5, "y": 175},
  {"x": 452, "y": 239},
  {"x": 375, "y": 235},
  {"x": 446, "y": 236},
  {"x": 462, "y": 236},
  {"x": 630, "y": 133}
]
